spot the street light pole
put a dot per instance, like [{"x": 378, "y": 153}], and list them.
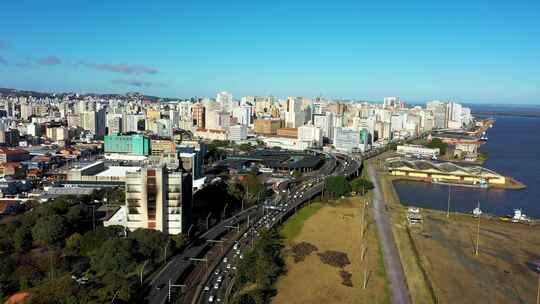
[
  {"x": 142, "y": 269},
  {"x": 207, "y": 219}
]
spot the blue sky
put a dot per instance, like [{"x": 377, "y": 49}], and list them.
[{"x": 472, "y": 51}]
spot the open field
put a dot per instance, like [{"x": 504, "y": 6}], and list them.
[
  {"x": 333, "y": 227},
  {"x": 440, "y": 264},
  {"x": 504, "y": 271}
]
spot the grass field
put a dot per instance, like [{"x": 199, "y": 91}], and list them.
[
  {"x": 294, "y": 225},
  {"x": 333, "y": 227}
]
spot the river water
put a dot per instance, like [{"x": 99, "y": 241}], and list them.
[{"x": 513, "y": 149}]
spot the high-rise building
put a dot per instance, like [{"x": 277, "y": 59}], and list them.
[
  {"x": 347, "y": 139},
  {"x": 198, "y": 114},
  {"x": 326, "y": 123},
  {"x": 311, "y": 135},
  {"x": 114, "y": 124},
  {"x": 294, "y": 116},
  {"x": 438, "y": 108},
  {"x": 237, "y": 133},
  {"x": 159, "y": 200},
  {"x": 94, "y": 121},
  {"x": 224, "y": 100},
  {"x": 242, "y": 115}
]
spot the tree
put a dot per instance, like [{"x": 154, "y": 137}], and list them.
[
  {"x": 114, "y": 255},
  {"x": 49, "y": 230},
  {"x": 76, "y": 215},
  {"x": 8, "y": 283},
  {"x": 73, "y": 244},
  {"x": 297, "y": 174},
  {"x": 151, "y": 243},
  {"x": 22, "y": 239},
  {"x": 113, "y": 284},
  {"x": 336, "y": 186},
  {"x": 361, "y": 185},
  {"x": 255, "y": 190},
  {"x": 437, "y": 143},
  {"x": 95, "y": 238}
]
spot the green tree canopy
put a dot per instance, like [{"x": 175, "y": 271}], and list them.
[
  {"x": 22, "y": 239},
  {"x": 361, "y": 185},
  {"x": 336, "y": 186},
  {"x": 151, "y": 244},
  {"x": 437, "y": 143},
  {"x": 114, "y": 255},
  {"x": 49, "y": 230}
]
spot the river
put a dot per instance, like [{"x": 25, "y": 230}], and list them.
[{"x": 513, "y": 149}]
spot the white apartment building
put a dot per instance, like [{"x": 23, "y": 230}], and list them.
[
  {"x": 159, "y": 200},
  {"x": 242, "y": 114},
  {"x": 347, "y": 139},
  {"x": 311, "y": 135},
  {"x": 238, "y": 133}
]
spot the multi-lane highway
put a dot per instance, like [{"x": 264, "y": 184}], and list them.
[
  {"x": 218, "y": 284},
  {"x": 179, "y": 264}
]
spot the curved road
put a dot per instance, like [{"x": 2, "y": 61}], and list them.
[{"x": 394, "y": 269}]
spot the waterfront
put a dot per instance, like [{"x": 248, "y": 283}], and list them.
[{"x": 513, "y": 149}]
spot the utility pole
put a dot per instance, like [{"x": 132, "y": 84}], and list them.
[
  {"x": 165, "y": 255},
  {"x": 169, "y": 291},
  {"x": 448, "y": 207},
  {"x": 189, "y": 230},
  {"x": 220, "y": 242},
  {"x": 207, "y": 221},
  {"x": 362, "y": 229},
  {"x": 224, "y": 208},
  {"x": 142, "y": 269},
  {"x": 366, "y": 272},
  {"x": 478, "y": 231},
  {"x": 205, "y": 260}
]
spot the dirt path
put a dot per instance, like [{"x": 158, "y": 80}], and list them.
[{"x": 396, "y": 276}]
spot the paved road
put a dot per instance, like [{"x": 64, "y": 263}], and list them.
[{"x": 394, "y": 270}]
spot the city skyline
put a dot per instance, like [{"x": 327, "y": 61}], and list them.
[{"x": 419, "y": 51}]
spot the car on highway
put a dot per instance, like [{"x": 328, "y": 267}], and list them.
[
  {"x": 160, "y": 286},
  {"x": 211, "y": 299}
]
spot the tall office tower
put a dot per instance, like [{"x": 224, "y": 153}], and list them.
[
  {"x": 159, "y": 200},
  {"x": 294, "y": 117},
  {"x": 392, "y": 102},
  {"x": 438, "y": 108},
  {"x": 326, "y": 123},
  {"x": 94, "y": 121},
  {"x": 81, "y": 106},
  {"x": 9, "y": 107},
  {"x": 242, "y": 115},
  {"x": 224, "y": 100},
  {"x": 198, "y": 115},
  {"x": 131, "y": 121},
  {"x": 454, "y": 115},
  {"x": 174, "y": 117},
  {"x": 26, "y": 110},
  {"x": 114, "y": 124}
]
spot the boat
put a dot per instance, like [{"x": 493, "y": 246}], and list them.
[
  {"x": 477, "y": 212},
  {"x": 484, "y": 136},
  {"x": 520, "y": 217}
]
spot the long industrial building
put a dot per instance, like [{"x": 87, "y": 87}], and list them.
[{"x": 448, "y": 172}]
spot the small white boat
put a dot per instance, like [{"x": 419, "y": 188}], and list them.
[{"x": 477, "y": 212}]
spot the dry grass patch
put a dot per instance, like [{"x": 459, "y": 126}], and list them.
[{"x": 334, "y": 228}]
